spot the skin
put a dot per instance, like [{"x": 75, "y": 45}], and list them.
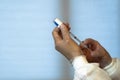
[
  {"x": 95, "y": 52},
  {"x": 64, "y": 43},
  {"x": 70, "y": 49}
]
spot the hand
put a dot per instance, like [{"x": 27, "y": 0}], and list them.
[
  {"x": 64, "y": 43},
  {"x": 95, "y": 52}
]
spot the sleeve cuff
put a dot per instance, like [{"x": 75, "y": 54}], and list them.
[
  {"x": 111, "y": 67},
  {"x": 79, "y": 61}
]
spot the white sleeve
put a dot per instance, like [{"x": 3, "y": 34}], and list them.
[
  {"x": 113, "y": 69},
  {"x": 87, "y": 71}
]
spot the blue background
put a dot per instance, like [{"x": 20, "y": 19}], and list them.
[{"x": 26, "y": 44}]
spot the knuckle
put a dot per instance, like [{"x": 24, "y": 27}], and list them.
[
  {"x": 96, "y": 41},
  {"x": 89, "y": 39}
]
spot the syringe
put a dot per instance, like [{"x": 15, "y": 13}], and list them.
[{"x": 58, "y": 23}]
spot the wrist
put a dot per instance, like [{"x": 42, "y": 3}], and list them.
[
  {"x": 75, "y": 54},
  {"x": 105, "y": 62}
]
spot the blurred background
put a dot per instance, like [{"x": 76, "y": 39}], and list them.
[{"x": 26, "y": 44}]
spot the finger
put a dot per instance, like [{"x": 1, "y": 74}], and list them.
[
  {"x": 64, "y": 31},
  {"x": 90, "y": 43},
  {"x": 56, "y": 35},
  {"x": 84, "y": 48},
  {"x": 82, "y": 45},
  {"x": 68, "y": 26}
]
